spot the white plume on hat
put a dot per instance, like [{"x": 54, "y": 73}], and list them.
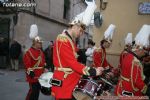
[
  {"x": 85, "y": 17},
  {"x": 109, "y": 32},
  {"x": 33, "y": 31},
  {"x": 142, "y": 38},
  {"x": 128, "y": 39}
]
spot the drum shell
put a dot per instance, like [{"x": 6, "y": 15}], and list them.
[{"x": 87, "y": 88}]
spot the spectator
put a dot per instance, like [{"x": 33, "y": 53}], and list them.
[
  {"x": 49, "y": 56},
  {"x": 15, "y": 51},
  {"x": 89, "y": 52}
]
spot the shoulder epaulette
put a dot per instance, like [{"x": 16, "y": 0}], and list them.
[
  {"x": 137, "y": 62},
  {"x": 98, "y": 49},
  {"x": 62, "y": 37}
]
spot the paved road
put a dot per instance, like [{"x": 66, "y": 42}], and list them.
[{"x": 14, "y": 87}]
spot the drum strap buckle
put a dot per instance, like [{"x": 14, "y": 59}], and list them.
[
  {"x": 127, "y": 93},
  {"x": 56, "y": 82}
]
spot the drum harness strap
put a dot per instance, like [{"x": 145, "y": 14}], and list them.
[
  {"x": 67, "y": 71},
  {"x": 36, "y": 66}
]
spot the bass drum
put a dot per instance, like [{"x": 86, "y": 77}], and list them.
[{"x": 44, "y": 81}]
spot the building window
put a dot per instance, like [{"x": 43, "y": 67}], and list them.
[{"x": 66, "y": 8}]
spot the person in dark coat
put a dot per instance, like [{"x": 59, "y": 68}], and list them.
[
  {"x": 15, "y": 51},
  {"x": 49, "y": 57}
]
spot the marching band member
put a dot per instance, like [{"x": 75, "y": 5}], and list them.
[
  {"x": 131, "y": 81},
  {"x": 146, "y": 64},
  {"x": 99, "y": 55},
  {"x": 67, "y": 69},
  {"x": 128, "y": 47},
  {"x": 34, "y": 62}
]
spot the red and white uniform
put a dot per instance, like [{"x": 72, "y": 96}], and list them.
[
  {"x": 131, "y": 78},
  {"x": 34, "y": 59},
  {"x": 99, "y": 58},
  {"x": 122, "y": 55},
  {"x": 65, "y": 57}
]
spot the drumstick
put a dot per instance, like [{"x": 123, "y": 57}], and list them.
[{"x": 106, "y": 81}]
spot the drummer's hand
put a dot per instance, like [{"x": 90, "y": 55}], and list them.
[
  {"x": 31, "y": 74},
  {"x": 109, "y": 75},
  {"x": 99, "y": 71}
]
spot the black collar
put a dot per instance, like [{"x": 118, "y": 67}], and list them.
[{"x": 68, "y": 35}]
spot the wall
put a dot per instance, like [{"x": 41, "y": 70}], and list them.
[
  {"x": 123, "y": 14},
  {"x": 47, "y": 30},
  {"x": 49, "y": 27}
]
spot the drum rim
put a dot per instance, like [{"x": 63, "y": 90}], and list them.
[{"x": 91, "y": 81}]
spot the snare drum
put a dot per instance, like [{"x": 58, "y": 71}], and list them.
[
  {"x": 87, "y": 89},
  {"x": 44, "y": 81}
]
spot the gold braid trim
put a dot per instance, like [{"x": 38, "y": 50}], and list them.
[
  {"x": 98, "y": 49},
  {"x": 62, "y": 37},
  {"x": 144, "y": 89},
  {"x": 141, "y": 67},
  {"x": 124, "y": 78},
  {"x": 86, "y": 71},
  {"x": 65, "y": 38},
  {"x": 36, "y": 65},
  {"x": 103, "y": 56},
  {"x": 39, "y": 57},
  {"x": 132, "y": 84},
  {"x": 119, "y": 86}
]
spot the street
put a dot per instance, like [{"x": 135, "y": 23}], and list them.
[{"x": 14, "y": 87}]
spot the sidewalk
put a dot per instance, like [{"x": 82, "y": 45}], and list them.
[{"x": 14, "y": 87}]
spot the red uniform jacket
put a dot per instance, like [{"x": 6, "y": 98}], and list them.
[
  {"x": 122, "y": 55},
  {"x": 131, "y": 78},
  {"x": 67, "y": 57},
  {"x": 34, "y": 60},
  {"x": 99, "y": 58}
]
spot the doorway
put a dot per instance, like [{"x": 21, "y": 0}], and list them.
[{"x": 4, "y": 42}]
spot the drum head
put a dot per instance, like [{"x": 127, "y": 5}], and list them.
[{"x": 45, "y": 78}]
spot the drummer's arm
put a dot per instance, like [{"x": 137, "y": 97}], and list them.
[
  {"x": 90, "y": 71},
  {"x": 27, "y": 62},
  {"x": 74, "y": 64}
]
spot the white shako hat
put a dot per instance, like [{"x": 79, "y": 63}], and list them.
[
  {"x": 128, "y": 39},
  {"x": 84, "y": 19},
  {"x": 108, "y": 34},
  {"x": 142, "y": 37},
  {"x": 34, "y": 33}
]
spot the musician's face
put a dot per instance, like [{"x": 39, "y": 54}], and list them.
[
  {"x": 77, "y": 31},
  {"x": 106, "y": 44},
  {"x": 141, "y": 52},
  {"x": 38, "y": 45}
]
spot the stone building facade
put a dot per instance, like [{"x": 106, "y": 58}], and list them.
[{"x": 51, "y": 17}]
